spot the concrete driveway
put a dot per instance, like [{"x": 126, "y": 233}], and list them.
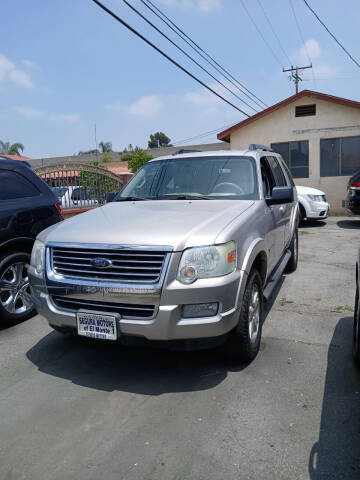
[{"x": 73, "y": 409}]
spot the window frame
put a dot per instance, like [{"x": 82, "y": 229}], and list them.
[
  {"x": 339, "y": 164},
  {"x": 288, "y": 143}
]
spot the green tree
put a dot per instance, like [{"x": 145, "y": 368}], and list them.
[
  {"x": 106, "y": 158},
  {"x": 105, "y": 147},
  {"x": 138, "y": 159},
  {"x": 89, "y": 152},
  {"x": 11, "y": 148},
  {"x": 159, "y": 139}
]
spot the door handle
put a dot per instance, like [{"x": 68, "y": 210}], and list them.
[{"x": 282, "y": 209}]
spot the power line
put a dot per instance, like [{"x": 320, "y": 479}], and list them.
[
  {"x": 198, "y": 50},
  {"x": 202, "y": 135},
  {"x": 302, "y": 40},
  {"x": 174, "y": 62},
  {"x": 333, "y": 36},
  {"x": 187, "y": 55},
  {"x": 260, "y": 33},
  {"x": 274, "y": 31}
]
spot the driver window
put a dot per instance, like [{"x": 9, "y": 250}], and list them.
[{"x": 266, "y": 177}]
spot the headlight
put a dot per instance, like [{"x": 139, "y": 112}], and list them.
[
  {"x": 38, "y": 257},
  {"x": 316, "y": 198},
  {"x": 207, "y": 262}
]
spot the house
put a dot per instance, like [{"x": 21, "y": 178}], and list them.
[{"x": 317, "y": 134}]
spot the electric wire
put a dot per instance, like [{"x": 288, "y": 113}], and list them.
[
  {"x": 332, "y": 35},
  {"x": 261, "y": 35},
  {"x": 302, "y": 40},
  {"x": 186, "y": 38},
  {"x": 202, "y": 135},
  {"x": 187, "y": 55},
  {"x": 170, "y": 59},
  {"x": 273, "y": 30}
]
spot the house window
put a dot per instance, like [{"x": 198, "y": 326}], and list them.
[
  {"x": 305, "y": 110},
  {"x": 296, "y": 157},
  {"x": 339, "y": 156}
]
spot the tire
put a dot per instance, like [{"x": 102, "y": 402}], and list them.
[
  {"x": 243, "y": 343},
  {"x": 302, "y": 215},
  {"x": 356, "y": 331},
  {"x": 294, "y": 249},
  {"x": 15, "y": 302}
]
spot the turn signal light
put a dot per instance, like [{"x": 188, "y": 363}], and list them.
[
  {"x": 231, "y": 256},
  {"x": 59, "y": 209}
]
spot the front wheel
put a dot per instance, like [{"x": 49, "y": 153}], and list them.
[
  {"x": 15, "y": 301},
  {"x": 244, "y": 341},
  {"x": 356, "y": 330}
]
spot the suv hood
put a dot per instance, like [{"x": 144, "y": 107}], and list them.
[
  {"x": 176, "y": 223},
  {"x": 308, "y": 191}
]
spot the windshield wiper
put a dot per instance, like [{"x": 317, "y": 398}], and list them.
[
  {"x": 183, "y": 197},
  {"x": 131, "y": 199}
]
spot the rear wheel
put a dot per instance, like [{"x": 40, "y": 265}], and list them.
[
  {"x": 244, "y": 341},
  {"x": 15, "y": 300},
  {"x": 356, "y": 330}
]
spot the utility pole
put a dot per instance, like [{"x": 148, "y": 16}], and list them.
[
  {"x": 96, "y": 153},
  {"x": 295, "y": 74}
]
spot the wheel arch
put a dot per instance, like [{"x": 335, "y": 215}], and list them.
[{"x": 18, "y": 244}]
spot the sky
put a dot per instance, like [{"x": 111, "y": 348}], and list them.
[{"x": 66, "y": 66}]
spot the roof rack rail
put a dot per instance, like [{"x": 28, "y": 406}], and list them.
[
  {"x": 184, "y": 150},
  {"x": 255, "y": 146}
]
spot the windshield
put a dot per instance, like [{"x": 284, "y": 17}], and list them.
[{"x": 222, "y": 177}]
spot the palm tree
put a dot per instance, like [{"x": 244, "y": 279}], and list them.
[
  {"x": 11, "y": 148},
  {"x": 105, "y": 147}
]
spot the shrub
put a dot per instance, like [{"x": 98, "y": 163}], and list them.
[{"x": 138, "y": 159}]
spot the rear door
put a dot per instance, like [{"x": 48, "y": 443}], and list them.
[{"x": 20, "y": 200}]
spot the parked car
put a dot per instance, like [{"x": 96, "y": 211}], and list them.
[
  {"x": 356, "y": 325},
  {"x": 75, "y": 196},
  {"x": 352, "y": 202},
  {"x": 183, "y": 256},
  {"x": 27, "y": 206},
  {"x": 312, "y": 204}
]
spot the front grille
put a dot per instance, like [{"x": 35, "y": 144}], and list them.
[
  {"x": 125, "y": 310},
  {"x": 127, "y": 265}
]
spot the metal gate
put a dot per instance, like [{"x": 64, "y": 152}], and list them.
[{"x": 80, "y": 186}]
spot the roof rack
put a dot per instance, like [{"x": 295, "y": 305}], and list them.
[
  {"x": 255, "y": 146},
  {"x": 184, "y": 150}
]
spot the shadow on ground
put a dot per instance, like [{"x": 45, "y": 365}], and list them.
[
  {"x": 349, "y": 224},
  {"x": 312, "y": 224},
  {"x": 336, "y": 455},
  {"x": 4, "y": 324},
  {"x": 111, "y": 366}
]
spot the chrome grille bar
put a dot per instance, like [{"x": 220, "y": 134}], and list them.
[{"x": 126, "y": 264}]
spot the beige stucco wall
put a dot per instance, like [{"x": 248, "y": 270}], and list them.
[{"x": 283, "y": 126}]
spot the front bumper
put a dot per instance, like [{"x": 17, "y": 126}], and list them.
[
  {"x": 318, "y": 211},
  {"x": 167, "y": 322}
]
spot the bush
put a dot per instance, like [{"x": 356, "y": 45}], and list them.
[
  {"x": 138, "y": 159},
  {"x": 106, "y": 158}
]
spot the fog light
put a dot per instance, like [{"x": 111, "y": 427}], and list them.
[{"x": 200, "y": 310}]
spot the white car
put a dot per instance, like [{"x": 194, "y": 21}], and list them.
[
  {"x": 312, "y": 204},
  {"x": 75, "y": 197}
]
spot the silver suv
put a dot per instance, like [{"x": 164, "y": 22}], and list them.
[{"x": 184, "y": 256}]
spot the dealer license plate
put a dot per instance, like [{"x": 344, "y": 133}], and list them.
[{"x": 94, "y": 325}]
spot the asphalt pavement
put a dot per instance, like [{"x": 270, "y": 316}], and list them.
[{"x": 83, "y": 410}]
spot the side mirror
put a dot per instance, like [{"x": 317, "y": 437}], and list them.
[
  {"x": 110, "y": 196},
  {"x": 280, "y": 195}
]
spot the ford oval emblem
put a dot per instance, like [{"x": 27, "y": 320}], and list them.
[{"x": 100, "y": 262}]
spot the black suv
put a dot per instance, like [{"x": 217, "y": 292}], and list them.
[
  {"x": 27, "y": 206},
  {"x": 352, "y": 201}
]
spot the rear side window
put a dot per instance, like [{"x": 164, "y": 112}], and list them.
[
  {"x": 14, "y": 185},
  {"x": 279, "y": 177}
]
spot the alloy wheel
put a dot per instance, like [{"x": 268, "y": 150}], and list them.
[
  {"x": 15, "y": 289},
  {"x": 254, "y": 313}
]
